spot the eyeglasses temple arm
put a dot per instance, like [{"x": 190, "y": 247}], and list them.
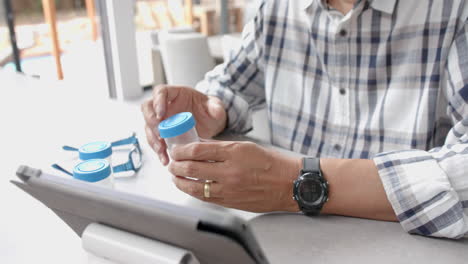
[
  {"x": 58, "y": 167},
  {"x": 125, "y": 141},
  {"x": 122, "y": 167},
  {"x": 68, "y": 148}
]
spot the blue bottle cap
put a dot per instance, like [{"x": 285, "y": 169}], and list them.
[
  {"x": 92, "y": 170},
  {"x": 176, "y": 125},
  {"x": 95, "y": 150}
]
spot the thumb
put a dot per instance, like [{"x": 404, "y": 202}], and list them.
[{"x": 216, "y": 108}]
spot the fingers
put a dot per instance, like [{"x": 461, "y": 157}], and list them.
[
  {"x": 201, "y": 151},
  {"x": 149, "y": 114},
  {"x": 160, "y": 101},
  {"x": 198, "y": 169},
  {"x": 162, "y": 96},
  {"x": 152, "y": 139},
  {"x": 152, "y": 133},
  {"x": 157, "y": 144},
  {"x": 197, "y": 189},
  {"x": 156, "y": 110}
]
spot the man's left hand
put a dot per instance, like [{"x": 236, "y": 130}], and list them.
[{"x": 245, "y": 175}]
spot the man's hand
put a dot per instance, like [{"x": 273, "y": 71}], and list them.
[
  {"x": 169, "y": 100},
  {"x": 245, "y": 176},
  {"x": 252, "y": 178}
]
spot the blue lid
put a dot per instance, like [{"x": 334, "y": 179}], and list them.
[
  {"x": 92, "y": 170},
  {"x": 95, "y": 150},
  {"x": 176, "y": 125}
]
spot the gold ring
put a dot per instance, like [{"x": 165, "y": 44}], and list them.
[{"x": 206, "y": 189}]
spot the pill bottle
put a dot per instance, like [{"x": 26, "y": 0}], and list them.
[
  {"x": 178, "y": 129},
  {"x": 95, "y": 171},
  {"x": 96, "y": 150}
]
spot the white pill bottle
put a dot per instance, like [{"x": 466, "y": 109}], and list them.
[
  {"x": 95, "y": 171},
  {"x": 178, "y": 129},
  {"x": 96, "y": 150}
]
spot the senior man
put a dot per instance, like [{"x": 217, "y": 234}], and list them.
[{"x": 377, "y": 89}]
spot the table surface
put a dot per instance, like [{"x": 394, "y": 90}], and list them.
[{"x": 38, "y": 117}]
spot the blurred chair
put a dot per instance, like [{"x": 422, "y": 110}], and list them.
[
  {"x": 48, "y": 7},
  {"x": 206, "y": 14},
  {"x": 91, "y": 11},
  {"x": 185, "y": 57},
  {"x": 159, "y": 75},
  {"x": 49, "y": 10}
]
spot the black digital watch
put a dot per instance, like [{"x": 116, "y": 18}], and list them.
[{"x": 310, "y": 189}]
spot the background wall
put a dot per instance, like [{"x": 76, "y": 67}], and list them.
[{"x": 36, "y": 5}]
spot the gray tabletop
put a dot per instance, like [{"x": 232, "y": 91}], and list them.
[{"x": 292, "y": 238}]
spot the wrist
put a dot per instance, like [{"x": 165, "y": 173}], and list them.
[{"x": 355, "y": 189}]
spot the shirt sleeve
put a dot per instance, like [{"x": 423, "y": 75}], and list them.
[
  {"x": 428, "y": 190},
  {"x": 239, "y": 82}
]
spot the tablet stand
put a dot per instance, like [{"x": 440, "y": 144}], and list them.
[
  {"x": 127, "y": 220},
  {"x": 124, "y": 247}
]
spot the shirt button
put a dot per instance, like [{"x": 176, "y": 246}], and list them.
[
  {"x": 342, "y": 91},
  {"x": 343, "y": 33},
  {"x": 337, "y": 147}
]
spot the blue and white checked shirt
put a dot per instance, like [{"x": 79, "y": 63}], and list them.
[{"x": 388, "y": 82}]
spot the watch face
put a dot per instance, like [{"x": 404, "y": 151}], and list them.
[{"x": 310, "y": 191}]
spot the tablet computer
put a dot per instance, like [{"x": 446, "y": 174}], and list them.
[{"x": 211, "y": 236}]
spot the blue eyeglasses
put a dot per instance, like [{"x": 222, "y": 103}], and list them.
[
  {"x": 134, "y": 156},
  {"x": 134, "y": 162}
]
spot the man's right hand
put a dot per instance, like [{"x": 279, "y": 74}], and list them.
[{"x": 169, "y": 100}]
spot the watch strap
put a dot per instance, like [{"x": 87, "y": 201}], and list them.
[{"x": 311, "y": 165}]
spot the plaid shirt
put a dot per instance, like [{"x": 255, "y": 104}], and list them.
[{"x": 388, "y": 82}]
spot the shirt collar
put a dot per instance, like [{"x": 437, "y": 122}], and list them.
[
  {"x": 306, "y": 3},
  {"x": 386, "y": 6}
]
